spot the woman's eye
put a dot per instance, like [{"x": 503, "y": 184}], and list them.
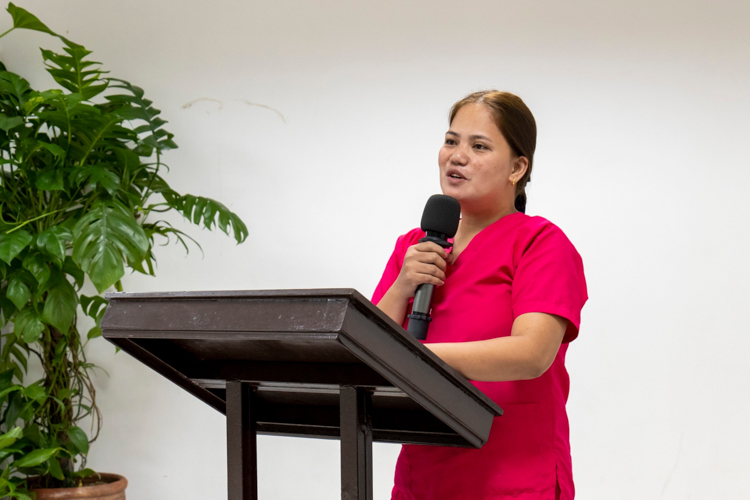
[
  {"x": 480, "y": 146},
  {"x": 450, "y": 142}
]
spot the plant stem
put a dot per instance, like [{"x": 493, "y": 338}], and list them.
[{"x": 32, "y": 220}]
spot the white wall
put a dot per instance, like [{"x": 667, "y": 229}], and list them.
[{"x": 644, "y": 116}]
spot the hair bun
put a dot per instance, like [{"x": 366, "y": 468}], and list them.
[{"x": 521, "y": 202}]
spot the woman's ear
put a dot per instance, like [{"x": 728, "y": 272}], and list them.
[{"x": 520, "y": 166}]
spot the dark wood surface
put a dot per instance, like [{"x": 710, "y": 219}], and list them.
[{"x": 297, "y": 349}]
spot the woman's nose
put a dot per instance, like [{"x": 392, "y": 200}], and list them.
[{"x": 459, "y": 157}]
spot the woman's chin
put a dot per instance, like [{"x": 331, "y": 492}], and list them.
[{"x": 452, "y": 190}]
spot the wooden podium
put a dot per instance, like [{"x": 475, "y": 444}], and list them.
[{"x": 307, "y": 363}]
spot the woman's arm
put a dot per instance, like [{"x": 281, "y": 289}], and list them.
[
  {"x": 394, "y": 304},
  {"x": 526, "y": 354}
]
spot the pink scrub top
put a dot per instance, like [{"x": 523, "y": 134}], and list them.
[{"x": 517, "y": 265}]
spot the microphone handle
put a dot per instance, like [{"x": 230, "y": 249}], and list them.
[
  {"x": 419, "y": 319},
  {"x": 423, "y": 298}
]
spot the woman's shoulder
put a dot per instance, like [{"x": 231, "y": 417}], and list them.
[
  {"x": 535, "y": 224},
  {"x": 536, "y": 229},
  {"x": 408, "y": 239}
]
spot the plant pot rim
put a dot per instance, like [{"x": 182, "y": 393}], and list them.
[{"x": 115, "y": 483}]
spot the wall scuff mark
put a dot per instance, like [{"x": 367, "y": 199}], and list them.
[
  {"x": 265, "y": 107},
  {"x": 221, "y": 104}
]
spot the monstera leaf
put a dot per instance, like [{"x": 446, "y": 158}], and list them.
[
  {"x": 104, "y": 239},
  {"x": 200, "y": 210}
]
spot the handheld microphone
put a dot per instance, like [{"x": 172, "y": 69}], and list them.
[{"x": 439, "y": 222}]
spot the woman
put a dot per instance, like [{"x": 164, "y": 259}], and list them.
[{"x": 507, "y": 303}]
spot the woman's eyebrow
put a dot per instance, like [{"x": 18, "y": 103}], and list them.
[
  {"x": 482, "y": 137},
  {"x": 472, "y": 137}
]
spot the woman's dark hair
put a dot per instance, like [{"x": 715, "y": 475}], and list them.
[{"x": 515, "y": 121}]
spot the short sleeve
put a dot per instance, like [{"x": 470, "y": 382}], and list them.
[
  {"x": 393, "y": 267},
  {"x": 549, "y": 279}
]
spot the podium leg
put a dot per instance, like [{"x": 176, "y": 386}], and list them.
[
  {"x": 242, "y": 465},
  {"x": 356, "y": 444}
]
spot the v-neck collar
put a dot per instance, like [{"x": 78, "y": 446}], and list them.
[{"x": 485, "y": 230}]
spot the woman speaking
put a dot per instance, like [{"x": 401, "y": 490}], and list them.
[{"x": 507, "y": 302}]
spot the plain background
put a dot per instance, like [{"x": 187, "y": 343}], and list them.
[{"x": 319, "y": 122}]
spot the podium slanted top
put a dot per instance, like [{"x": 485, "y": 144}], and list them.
[{"x": 298, "y": 348}]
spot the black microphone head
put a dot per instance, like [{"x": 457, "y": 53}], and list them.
[{"x": 441, "y": 215}]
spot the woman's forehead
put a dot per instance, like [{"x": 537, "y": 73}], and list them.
[{"x": 475, "y": 119}]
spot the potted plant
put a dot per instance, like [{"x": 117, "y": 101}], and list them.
[{"x": 80, "y": 184}]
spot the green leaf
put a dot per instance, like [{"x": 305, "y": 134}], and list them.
[
  {"x": 22, "y": 359},
  {"x": 12, "y": 244},
  {"x": 26, "y": 20},
  {"x": 28, "y": 325},
  {"x": 53, "y": 241},
  {"x": 9, "y": 122},
  {"x": 56, "y": 150},
  {"x": 32, "y": 433},
  {"x": 84, "y": 473},
  {"x": 79, "y": 439},
  {"x": 53, "y": 466},
  {"x": 10, "y": 389},
  {"x": 35, "y": 392},
  {"x": 94, "y": 333},
  {"x": 94, "y": 307},
  {"x": 6, "y": 379},
  {"x": 18, "y": 292},
  {"x": 106, "y": 234},
  {"x": 36, "y": 457},
  {"x": 198, "y": 209},
  {"x": 37, "y": 266},
  {"x": 73, "y": 72},
  {"x": 128, "y": 159},
  {"x": 62, "y": 301},
  {"x": 10, "y": 437},
  {"x": 15, "y": 407},
  {"x": 65, "y": 393},
  {"x": 72, "y": 269},
  {"x": 7, "y": 308},
  {"x": 50, "y": 180},
  {"x": 143, "y": 150},
  {"x": 99, "y": 174},
  {"x": 32, "y": 103},
  {"x": 16, "y": 87}
]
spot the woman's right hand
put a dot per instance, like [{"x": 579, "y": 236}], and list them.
[{"x": 423, "y": 263}]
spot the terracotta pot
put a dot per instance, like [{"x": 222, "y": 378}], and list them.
[{"x": 114, "y": 489}]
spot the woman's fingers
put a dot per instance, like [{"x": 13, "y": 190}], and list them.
[
  {"x": 428, "y": 253},
  {"x": 423, "y": 263},
  {"x": 430, "y": 279},
  {"x": 427, "y": 259},
  {"x": 429, "y": 246},
  {"x": 430, "y": 270}
]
